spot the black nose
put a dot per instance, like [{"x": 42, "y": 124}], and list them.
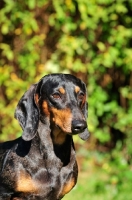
[{"x": 78, "y": 126}]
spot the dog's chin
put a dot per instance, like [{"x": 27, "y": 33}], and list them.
[
  {"x": 66, "y": 132},
  {"x": 77, "y": 132}
]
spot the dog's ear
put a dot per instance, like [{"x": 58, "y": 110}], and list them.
[
  {"x": 85, "y": 135},
  {"x": 27, "y": 114}
]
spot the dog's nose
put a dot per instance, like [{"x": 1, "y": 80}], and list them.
[{"x": 78, "y": 126}]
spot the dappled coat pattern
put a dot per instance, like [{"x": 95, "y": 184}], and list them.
[{"x": 41, "y": 164}]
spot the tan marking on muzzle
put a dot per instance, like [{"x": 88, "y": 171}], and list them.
[{"x": 62, "y": 118}]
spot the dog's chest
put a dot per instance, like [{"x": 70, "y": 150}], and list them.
[
  {"x": 48, "y": 183},
  {"x": 35, "y": 177}
]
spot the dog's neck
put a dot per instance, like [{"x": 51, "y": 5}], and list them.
[
  {"x": 61, "y": 151},
  {"x": 58, "y": 136}
]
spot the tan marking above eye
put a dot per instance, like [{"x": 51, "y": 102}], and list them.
[
  {"x": 77, "y": 89},
  {"x": 62, "y": 90}
]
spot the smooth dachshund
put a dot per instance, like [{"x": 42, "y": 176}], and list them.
[{"x": 41, "y": 165}]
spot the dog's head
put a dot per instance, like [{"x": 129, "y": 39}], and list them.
[{"x": 57, "y": 99}]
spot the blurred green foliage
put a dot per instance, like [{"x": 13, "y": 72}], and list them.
[
  {"x": 91, "y": 39},
  {"x": 102, "y": 180}
]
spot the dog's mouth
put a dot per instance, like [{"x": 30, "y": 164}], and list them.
[
  {"x": 64, "y": 130},
  {"x": 77, "y": 127}
]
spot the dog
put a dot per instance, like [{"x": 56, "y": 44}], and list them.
[{"x": 41, "y": 164}]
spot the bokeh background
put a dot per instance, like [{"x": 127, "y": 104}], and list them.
[{"x": 91, "y": 39}]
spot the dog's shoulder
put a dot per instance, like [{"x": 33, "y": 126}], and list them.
[{"x": 5, "y": 148}]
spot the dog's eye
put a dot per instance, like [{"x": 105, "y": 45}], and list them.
[
  {"x": 81, "y": 96},
  {"x": 56, "y": 95}
]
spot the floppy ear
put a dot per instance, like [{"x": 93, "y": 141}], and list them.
[
  {"x": 85, "y": 135},
  {"x": 27, "y": 114}
]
